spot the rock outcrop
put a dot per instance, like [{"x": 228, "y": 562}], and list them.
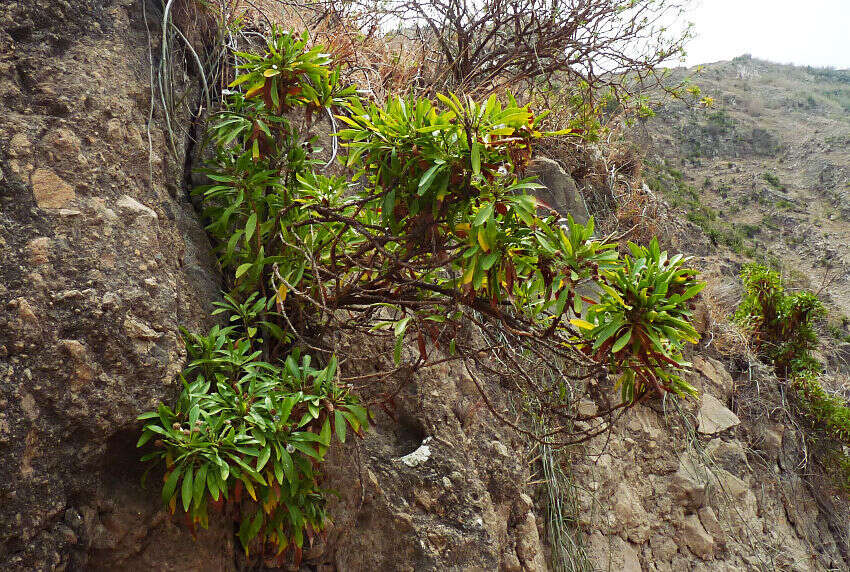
[{"x": 104, "y": 260}]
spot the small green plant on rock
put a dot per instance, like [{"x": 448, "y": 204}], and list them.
[
  {"x": 780, "y": 324},
  {"x": 641, "y": 321},
  {"x": 243, "y": 426}
]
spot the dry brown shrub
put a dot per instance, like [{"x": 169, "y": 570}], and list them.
[{"x": 712, "y": 317}]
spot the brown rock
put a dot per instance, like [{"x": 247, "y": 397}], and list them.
[
  {"x": 613, "y": 553},
  {"x": 689, "y": 483},
  {"x": 50, "y": 191},
  {"x": 715, "y": 417},
  {"x": 560, "y": 192},
  {"x": 528, "y": 544},
  {"x": 83, "y": 372},
  {"x": 66, "y": 141},
  {"x": 38, "y": 250},
  {"x": 711, "y": 524},
  {"x": 135, "y": 328},
  {"x": 511, "y": 563},
  {"x": 716, "y": 376},
  {"x": 696, "y": 538},
  {"x": 29, "y": 322},
  {"x": 19, "y": 145}
]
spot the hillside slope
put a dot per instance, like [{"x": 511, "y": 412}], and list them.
[{"x": 765, "y": 171}]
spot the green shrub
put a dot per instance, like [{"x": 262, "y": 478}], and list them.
[
  {"x": 782, "y": 327},
  {"x": 773, "y": 180},
  {"x": 254, "y": 416},
  {"x": 245, "y": 424},
  {"x": 781, "y": 324},
  {"x": 434, "y": 229},
  {"x": 641, "y": 321}
]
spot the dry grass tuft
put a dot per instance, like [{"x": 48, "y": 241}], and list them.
[{"x": 712, "y": 317}]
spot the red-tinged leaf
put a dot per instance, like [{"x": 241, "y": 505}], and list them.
[
  {"x": 267, "y": 95},
  {"x": 298, "y": 555},
  {"x": 420, "y": 340},
  {"x": 190, "y": 524}
]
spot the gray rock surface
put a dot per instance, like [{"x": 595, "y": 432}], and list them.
[{"x": 560, "y": 192}]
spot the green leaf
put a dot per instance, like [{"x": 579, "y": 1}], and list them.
[
  {"x": 249, "y": 529},
  {"x": 171, "y": 483},
  {"x": 264, "y": 457},
  {"x": 325, "y": 434},
  {"x": 606, "y": 332},
  {"x": 483, "y": 215},
  {"x": 692, "y": 291},
  {"x": 212, "y": 485},
  {"x": 397, "y": 350},
  {"x": 243, "y": 268},
  {"x": 339, "y": 425},
  {"x": 401, "y": 326},
  {"x": 187, "y": 491},
  {"x": 475, "y": 158},
  {"x": 146, "y": 436},
  {"x": 308, "y": 450},
  {"x": 427, "y": 179},
  {"x": 250, "y": 227},
  {"x": 200, "y": 484},
  {"x": 286, "y": 463},
  {"x": 621, "y": 343}
]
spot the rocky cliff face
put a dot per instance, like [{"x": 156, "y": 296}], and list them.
[{"x": 106, "y": 258}]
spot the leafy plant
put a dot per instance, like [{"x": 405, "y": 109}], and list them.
[
  {"x": 641, "y": 321},
  {"x": 782, "y": 325},
  {"x": 243, "y": 424},
  {"x": 773, "y": 181},
  {"x": 254, "y": 416},
  {"x": 436, "y": 230}
]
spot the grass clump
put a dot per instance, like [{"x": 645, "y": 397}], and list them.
[{"x": 773, "y": 181}]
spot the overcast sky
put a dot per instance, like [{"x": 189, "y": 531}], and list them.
[{"x": 802, "y": 32}]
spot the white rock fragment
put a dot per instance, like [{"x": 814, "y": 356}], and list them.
[
  {"x": 714, "y": 417},
  {"x": 134, "y": 208},
  {"x": 419, "y": 456}
]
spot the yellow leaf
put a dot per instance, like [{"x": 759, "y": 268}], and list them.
[
  {"x": 271, "y": 72},
  {"x": 255, "y": 90},
  {"x": 250, "y": 488},
  {"x": 482, "y": 240},
  {"x": 281, "y": 293},
  {"x": 468, "y": 274},
  {"x": 172, "y": 504},
  {"x": 583, "y": 324}
]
